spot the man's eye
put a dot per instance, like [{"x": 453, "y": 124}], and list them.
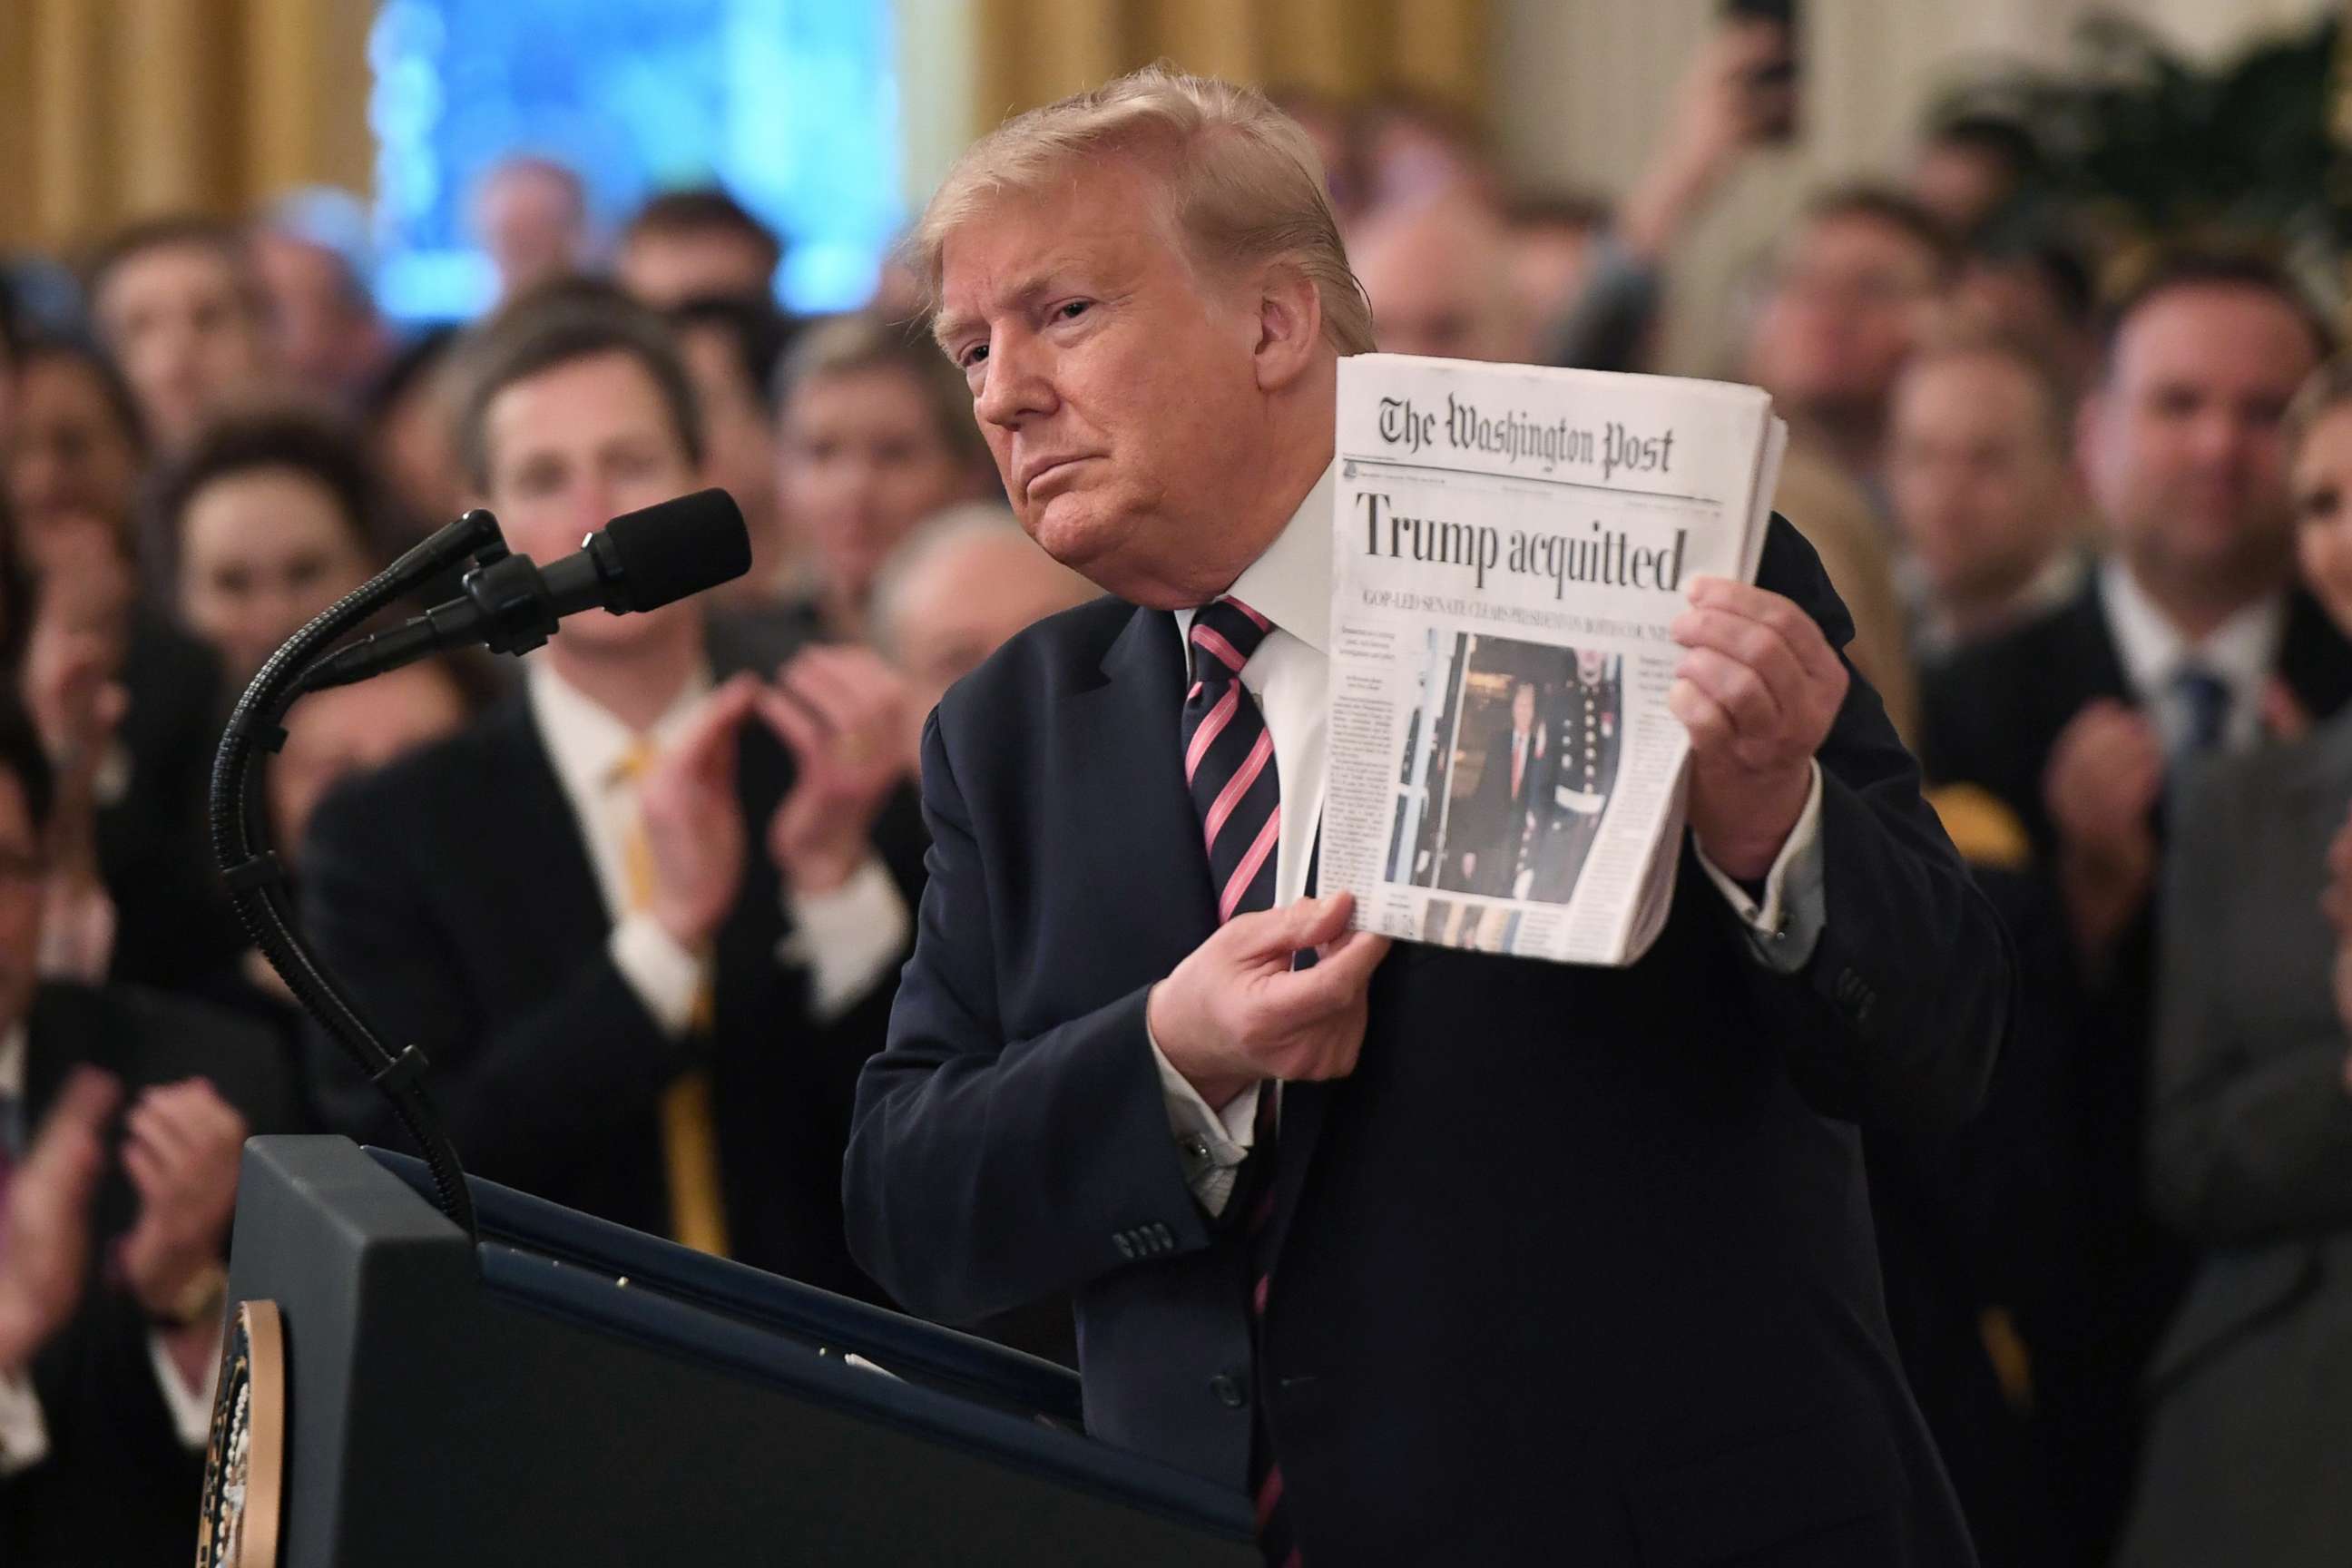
[
  {"x": 972, "y": 356},
  {"x": 1070, "y": 311}
]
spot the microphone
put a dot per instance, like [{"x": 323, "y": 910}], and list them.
[{"x": 639, "y": 561}]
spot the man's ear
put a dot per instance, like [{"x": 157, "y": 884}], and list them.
[{"x": 1290, "y": 327}]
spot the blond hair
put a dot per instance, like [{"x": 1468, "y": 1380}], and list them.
[
  {"x": 1244, "y": 183},
  {"x": 2325, "y": 390}
]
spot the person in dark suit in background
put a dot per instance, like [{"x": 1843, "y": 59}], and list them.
[
  {"x": 1500, "y": 809},
  {"x": 122, "y": 1115},
  {"x": 2250, "y": 1132},
  {"x": 1445, "y": 1259},
  {"x": 2189, "y": 639},
  {"x": 637, "y": 915}
]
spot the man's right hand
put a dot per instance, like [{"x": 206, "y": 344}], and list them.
[
  {"x": 1236, "y": 1013},
  {"x": 45, "y": 1232},
  {"x": 2105, "y": 772},
  {"x": 693, "y": 820}
]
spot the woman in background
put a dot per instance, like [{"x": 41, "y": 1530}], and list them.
[{"x": 2250, "y": 1137}]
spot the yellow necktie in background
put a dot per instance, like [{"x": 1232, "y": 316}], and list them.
[{"x": 697, "y": 1212}]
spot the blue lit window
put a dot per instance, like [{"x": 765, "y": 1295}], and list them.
[{"x": 792, "y": 105}]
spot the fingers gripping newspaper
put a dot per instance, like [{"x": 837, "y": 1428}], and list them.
[{"x": 1512, "y": 544}]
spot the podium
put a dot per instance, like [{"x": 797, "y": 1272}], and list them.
[{"x": 571, "y": 1392}]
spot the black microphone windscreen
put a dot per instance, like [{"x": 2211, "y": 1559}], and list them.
[{"x": 678, "y": 547}]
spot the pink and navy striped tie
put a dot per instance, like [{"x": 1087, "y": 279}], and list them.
[
  {"x": 1229, "y": 759},
  {"x": 1229, "y": 767}
]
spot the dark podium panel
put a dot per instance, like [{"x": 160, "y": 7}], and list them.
[{"x": 576, "y": 1392}]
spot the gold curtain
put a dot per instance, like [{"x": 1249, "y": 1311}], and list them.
[
  {"x": 113, "y": 111},
  {"x": 1033, "y": 51}
]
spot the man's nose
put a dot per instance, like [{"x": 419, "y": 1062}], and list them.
[{"x": 1015, "y": 384}]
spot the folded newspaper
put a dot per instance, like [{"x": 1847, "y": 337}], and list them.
[{"x": 1512, "y": 545}]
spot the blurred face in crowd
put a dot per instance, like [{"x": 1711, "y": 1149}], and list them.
[
  {"x": 412, "y": 449},
  {"x": 1135, "y": 401},
  {"x": 183, "y": 328},
  {"x": 2181, "y": 443},
  {"x": 86, "y": 589},
  {"x": 864, "y": 461},
  {"x": 355, "y": 730},
  {"x": 328, "y": 333},
  {"x": 963, "y": 603},
  {"x": 571, "y": 448},
  {"x": 1849, "y": 303},
  {"x": 70, "y": 452},
  {"x": 2322, "y": 509},
  {"x": 740, "y": 453},
  {"x": 1548, "y": 262},
  {"x": 262, "y": 550},
  {"x": 530, "y": 219},
  {"x": 1439, "y": 278},
  {"x": 1961, "y": 184},
  {"x": 1977, "y": 473},
  {"x": 666, "y": 269},
  {"x": 22, "y": 868},
  {"x": 2014, "y": 299}
]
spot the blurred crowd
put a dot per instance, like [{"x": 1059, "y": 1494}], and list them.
[{"x": 644, "y": 898}]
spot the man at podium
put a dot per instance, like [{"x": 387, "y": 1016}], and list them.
[{"x": 1442, "y": 1257}]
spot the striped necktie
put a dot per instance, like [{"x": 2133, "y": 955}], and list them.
[
  {"x": 698, "y": 1209},
  {"x": 1229, "y": 759},
  {"x": 1229, "y": 768}
]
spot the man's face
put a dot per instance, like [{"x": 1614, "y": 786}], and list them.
[
  {"x": 666, "y": 270},
  {"x": 1116, "y": 384},
  {"x": 184, "y": 331},
  {"x": 571, "y": 448},
  {"x": 1975, "y": 472},
  {"x": 864, "y": 460},
  {"x": 1440, "y": 283},
  {"x": 964, "y": 603},
  {"x": 531, "y": 223},
  {"x": 2181, "y": 445},
  {"x": 325, "y": 334},
  {"x": 22, "y": 872},
  {"x": 1849, "y": 303},
  {"x": 1523, "y": 708}
]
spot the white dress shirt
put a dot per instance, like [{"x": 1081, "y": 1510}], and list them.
[
  {"x": 847, "y": 939},
  {"x": 24, "y": 1431},
  {"x": 1291, "y": 586},
  {"x": 2241, "y": 652}
]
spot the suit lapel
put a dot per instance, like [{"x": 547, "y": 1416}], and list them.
[
  {"x": 1122, "y": 740},
  {"x": 535, "y": 840}
]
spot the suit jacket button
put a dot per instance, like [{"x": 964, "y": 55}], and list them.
[{"x": 1228, "y": 1390}]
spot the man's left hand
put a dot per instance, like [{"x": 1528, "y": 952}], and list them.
[
  {"x": 842, "y": 711},
  {"x": 1758, "y": 689},
  {"x": 180, "y": 1153}
]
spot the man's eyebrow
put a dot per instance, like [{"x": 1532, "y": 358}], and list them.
[{"x": 946, "y": 327}]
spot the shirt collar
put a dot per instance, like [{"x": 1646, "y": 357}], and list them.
[
  {"x": 1290, "y": 583},
  {"x": 2242, "y": 650},
  {"x": 585, "y": 741}
]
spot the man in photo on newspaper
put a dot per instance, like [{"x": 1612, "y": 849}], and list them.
[
  {"x": 1497, "y": 819},
  {"x": 1585, "y": 721},
  {"x": 1438, "y": 1256}
]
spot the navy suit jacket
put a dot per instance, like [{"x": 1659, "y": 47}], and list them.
[{"x": 1577, "y": 1265}]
